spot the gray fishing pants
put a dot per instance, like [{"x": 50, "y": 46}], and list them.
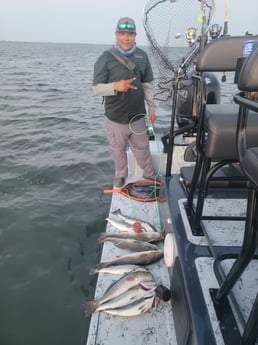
[{"x": 120, "y": 136}]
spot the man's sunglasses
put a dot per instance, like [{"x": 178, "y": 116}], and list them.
[{"x": 124, "y": 26}]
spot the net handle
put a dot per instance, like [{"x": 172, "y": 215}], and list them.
[{"x": 107, "y": 191}]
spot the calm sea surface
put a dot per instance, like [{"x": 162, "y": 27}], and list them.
[{"x": 54, "y": 165}]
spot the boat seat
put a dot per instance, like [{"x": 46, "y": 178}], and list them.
[
  {"x": 221, "y": 124},
  {"x": 216, "y": 132},
  {"x": 229, "y": 176},
  {"x": 248, "y": 157}
]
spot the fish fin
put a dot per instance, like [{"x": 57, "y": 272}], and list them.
[
  {"x": 154, "y": 247},
  {"x": 151, "y": 293},
  {"x": 103, "y": 235},
  {"x": 148, "y": 285},
  {"x": 90, "y": 307},
  {"x": 117, "y": 212},
  {"x": 155, "y": 303},
  {"x": 163, "y": 232},
  {"x": 146, "y": 308}
]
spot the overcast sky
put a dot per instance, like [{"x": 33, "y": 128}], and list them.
[{"x": 93, "y": 21}]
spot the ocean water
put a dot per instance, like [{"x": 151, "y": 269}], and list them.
[{"x": 54, "y": 165}]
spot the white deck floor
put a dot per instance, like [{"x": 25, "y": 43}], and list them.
[
  {"x": 153, "y": 327},
  {"x": 221, "y": 233},
  {"x": 157, "y": 325},
  {"x": 244, "y": 291},
  {"x": 224, "y": 233}
]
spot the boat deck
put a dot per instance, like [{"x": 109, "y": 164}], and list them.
[
  {"x": 191, "y": 317},
  {"x": 220, "y": 243},
  {"x": 153, "y": 327}
]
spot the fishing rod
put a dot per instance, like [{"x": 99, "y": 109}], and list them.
[
  {"x": 225, "y": 32},
  {"x": 200, "y": 42}
]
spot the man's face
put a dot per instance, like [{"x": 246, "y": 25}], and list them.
[{"x": 125, "y": 39}]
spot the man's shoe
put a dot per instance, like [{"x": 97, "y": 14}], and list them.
[{"x": 119, "y": 182}]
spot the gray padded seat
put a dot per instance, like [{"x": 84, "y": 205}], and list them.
[
  {"x": 248, "y": 81},
  {"x": 250, "y": 164},
  {"x": 221, "y": 124},
  {"x": 216, "y": 137}
]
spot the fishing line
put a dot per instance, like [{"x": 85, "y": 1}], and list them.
[
  {"x": 132, "y": 120},
  {"x": 135, "y": 213},
  {"x": 154, "y": 193},
  {"x": 154, "y": 135},
  {"x": 158, "y": 150},
  {"x": 225, "y": 33}
]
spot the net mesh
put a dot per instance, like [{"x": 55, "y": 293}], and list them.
[{"x": 173, "y": 29}]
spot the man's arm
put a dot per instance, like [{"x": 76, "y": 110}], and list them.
[
  {"x": 111, "y": 89},
  {"x": 148, "y": 96},
  {"x": 104, "y": 89}
]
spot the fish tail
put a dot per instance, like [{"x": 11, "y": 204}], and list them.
[
  {"x": 98, "y": 267},
  {"x": 90, "y": 307},
  {"x": 148, "y": 285},
  {"x": 93, "y": 271},
  {"x": 102, "y": 237},
  {"x": 101, "y": 265}
]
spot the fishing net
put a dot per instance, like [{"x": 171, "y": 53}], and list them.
[
  {"x": 140, "y": 190},
  {"x": 175, "y": 30}
]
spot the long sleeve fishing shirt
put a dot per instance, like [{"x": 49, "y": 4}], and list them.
[{"x": 122, "y": 107}]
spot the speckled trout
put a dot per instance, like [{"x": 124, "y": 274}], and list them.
[
  {"x": 137, "y": 308},
  {"x": 139, "y": 236},
  {"x": 130, "y": 296},
  {"x": 140, "y": 258},
  {"x": 125, "y": 283},
  {"x": 130, "y": 244},
  {"x": 116, "y": 269}
]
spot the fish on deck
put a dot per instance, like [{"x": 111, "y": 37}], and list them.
[
  {"x": 125, "y": 283},
  {"x": 150, "y": 237},
  {"x": 140, "y": 258},
  {"x": 130, "y": 220},
  {"x": 130, "y": 244}
]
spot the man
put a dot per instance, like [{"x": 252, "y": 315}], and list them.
[{"x": 126, "y": 90}]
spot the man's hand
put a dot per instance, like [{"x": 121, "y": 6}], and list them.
[
  {"x": 124, "y": 85},
  {"x": 152, "y": 118}
]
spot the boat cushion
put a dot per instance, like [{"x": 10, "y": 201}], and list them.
[
  {"x": 221, "y": 132},
  {"x": 248, "y": 76},
  {"x": 222, "y": 53},
  {"x": 250, "y": 164}
]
